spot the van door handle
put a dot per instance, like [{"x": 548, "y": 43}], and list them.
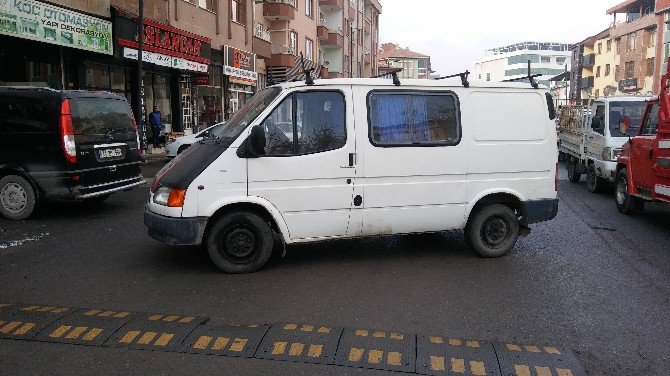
[{"x": 352, "y": 161}]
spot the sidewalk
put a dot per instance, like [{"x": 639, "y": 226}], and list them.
[{"x": 152, "y": 154}]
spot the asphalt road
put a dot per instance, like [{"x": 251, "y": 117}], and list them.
[{"x": 592, "y": 280}]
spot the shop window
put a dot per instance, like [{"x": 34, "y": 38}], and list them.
[{"x": 97, "y": 78}]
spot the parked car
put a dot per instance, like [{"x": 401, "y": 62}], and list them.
[
  {"x": 363, "y": 157},
  {"x": 64, "y": 144},
  {"x": 180, "y": 144}
]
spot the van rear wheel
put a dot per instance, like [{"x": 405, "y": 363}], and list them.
[
  {"x": 594, "y": 183},
  {"x": 17, "y": 197},
  {"x": 492, "y": 230},
  {"x": 240, "y": 242},
  {"x": 573, "y": 170}
]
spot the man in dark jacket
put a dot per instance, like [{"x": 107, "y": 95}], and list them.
[{"x": 156, "y": 126}]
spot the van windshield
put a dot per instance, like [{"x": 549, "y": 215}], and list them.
[
  {"x": 233, "y": 127},
  {"x": 632, "y": 110},
  {"x": 101, "y": 116}
]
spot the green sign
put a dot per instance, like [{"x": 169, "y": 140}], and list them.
[{"x": 42, "y": 22}]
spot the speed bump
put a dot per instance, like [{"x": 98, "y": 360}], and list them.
[
  {"x": 305, "y": 343},
  {"x": 442, "y": 355},
  {"x": 531, "y": 360},
  {"x": 229, "y": 340},
  {"x": 24, "y": 321},
  {"x": 154, "y": 332},
  {"x": 391, "y": 351},
  {"x": 85, "y": 327}
]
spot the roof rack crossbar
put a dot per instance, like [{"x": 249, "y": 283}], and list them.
[
  {"x": 393, "y": 73},
  {"x": 308, "y": 72},
  {"x": 530, "y": 77},
  {"x": 463, "y": 76}
]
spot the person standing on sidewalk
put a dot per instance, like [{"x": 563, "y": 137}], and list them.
[{"x": 156, "y": 126}]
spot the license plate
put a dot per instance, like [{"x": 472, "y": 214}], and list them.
[{"x": 110, "y": 153}]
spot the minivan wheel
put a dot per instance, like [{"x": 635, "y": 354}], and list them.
[
  {"x": 573, "y": 175},
  {"x": 240, "y": 242},
  {"x": 17, "y": 197},
  {"x": 626, "y": 203},
  {"x": 594, "y": 183},
  {"x": 492, "y": 230}
]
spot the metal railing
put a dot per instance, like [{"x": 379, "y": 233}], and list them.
[{"x": 262, "y": 32}]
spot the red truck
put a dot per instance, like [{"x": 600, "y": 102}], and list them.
[{"x": 643, "y": 167}]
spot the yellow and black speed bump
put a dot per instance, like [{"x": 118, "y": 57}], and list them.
[
  {"x": 229, "y": 340},
  {"x": 85, "y": 327},
  {"x": 155, "y": 332},
  {"x": 439, "y": 355},
  {"x": 531, "y": 360},
  {"x": 305, "y": 343},
  {"x": 364, "y": 348},
  {"x": 24, "y": 321}
]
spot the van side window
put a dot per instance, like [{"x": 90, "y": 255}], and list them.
[
  {"x": 413, "y": 118},
  {"x": 650, "y": 125},
  {"x": 306, "y": 123},
  {"x": 23, "y": 115},
  {"x": 598, "y": 120}
]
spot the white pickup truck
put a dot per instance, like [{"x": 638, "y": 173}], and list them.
[{"x": 590, "y": 139}]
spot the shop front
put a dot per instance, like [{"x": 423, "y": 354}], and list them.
[
  {"x": 44, "y": 45},
  {"x": 240, "y": 78}
]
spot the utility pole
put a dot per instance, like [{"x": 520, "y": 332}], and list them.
[{"x": 137, "y": 98}]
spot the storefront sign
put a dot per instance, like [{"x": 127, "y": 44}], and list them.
[
  {"x": 240, "y": 65},
  {"x": 629, "y": 84},
  {"x": 165, "y": 61},
  {"x": 42, "y": 22},
  {"x": 201, "y": 80},
  {"x": 189, "y": 51}
]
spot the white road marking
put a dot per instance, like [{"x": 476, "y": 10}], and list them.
[{"x": 16, "y": 243}]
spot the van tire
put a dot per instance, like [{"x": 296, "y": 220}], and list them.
[
  {"x": 240, "y": 242},
  {"x": 594, "y": 183},
  {"x": 625, "y": 203},
  {"x": 17, "y": 197},
  {"x": 573, "y": 173},
  {"x": 492, "y": 230}
]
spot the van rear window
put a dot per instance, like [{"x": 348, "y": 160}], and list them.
[
  {"x": 413, "y": 119},
  {"x": 94, "y": 116}
]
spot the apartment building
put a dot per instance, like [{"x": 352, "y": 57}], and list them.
[
  {"x": 412, "y": 64},
  {"x": 635, "y": 30},
  {"x": 662, "y": 11},
  {"x": 605, "y": 65},
  {"x": 335, "y": 38},
  {"x": 587, "y": 64},
  {"x": 509, "y": 62}
]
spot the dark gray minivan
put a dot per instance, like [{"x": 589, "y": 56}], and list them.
[{"x": 64, "y": 144}]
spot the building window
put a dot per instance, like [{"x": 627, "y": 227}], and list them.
[
  {"x": 630, "y": 69},
  {"x": 607, "y": 70},
  {"x": 609, "y": 45},
  {"x": 652, "y": 38},
  {"x": 600, "y": 48},
  {"x": 650, "y": 67},
  {"x": 207, "y": 4},
  {"x": 309, "y": 8},
  {"x": 597, "y": 93},
  {"x": 293, "y": 43},
  {"x": 616, "y": 73},
  {"x": 597, "y": 72},
  {"x": 560, "y": 60},
  {"x": 238, "y": 11},
  {"x": 309, "y": 49},
  {"x": 631, "y": 41},
  {"x": 545, "y": 59},
  {"x": 488, "y": 76}
]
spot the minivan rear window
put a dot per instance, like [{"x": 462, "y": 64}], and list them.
[{"x": 95, "y": 116}]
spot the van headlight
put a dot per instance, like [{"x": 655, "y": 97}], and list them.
[{"x": 170, "y": 197}]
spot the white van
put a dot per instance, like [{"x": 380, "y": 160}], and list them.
[{"x": 348, "y": 158}]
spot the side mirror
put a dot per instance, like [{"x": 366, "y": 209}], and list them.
[
  {"x": 254, "y": 145},
  {"x": 624, "y": 125}
]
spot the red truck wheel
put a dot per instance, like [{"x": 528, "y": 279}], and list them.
[{"x": 626, "y": 203}]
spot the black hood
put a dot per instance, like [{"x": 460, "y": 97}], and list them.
[{"x": 190, "y": 163}]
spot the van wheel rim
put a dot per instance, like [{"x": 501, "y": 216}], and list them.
[
  {"x": 621, "y": 191},
  {"x": 240, "y": 244},
  {"x": 494, "y": 231},
  {"x": 14, "y": 198}
]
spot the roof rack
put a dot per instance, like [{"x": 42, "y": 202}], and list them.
[
  {"x": 463, "y": 76},
  {"x": 308, "y": 72},
  {"x": 530, "y": 77},
  {"x": 393, "y": 73}
]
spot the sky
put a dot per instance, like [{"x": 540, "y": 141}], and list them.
[{"x": 456, "y": 33}]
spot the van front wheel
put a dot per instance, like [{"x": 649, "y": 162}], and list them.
[
  {"x": 240, "y": 243},
  {"x": 492, "y": 230}
]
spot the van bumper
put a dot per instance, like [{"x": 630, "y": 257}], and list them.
[
  {"x": 175, "y": 231},
  {"x": 540, "y": 210}
]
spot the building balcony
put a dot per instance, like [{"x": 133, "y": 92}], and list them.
[
  {"x": 279, "y": 10},
  {"x": 587, "y": 82},
  {"x": 352, "y": 12},
  {"x": 322, "y": 32},
  {"x": 620, "y": 29},
  {"x": 332, "y": 5},
  {"x": 588, "y": 60},
  {"x": 282, "y": 56},
  {"x": 334, "y": 40}
]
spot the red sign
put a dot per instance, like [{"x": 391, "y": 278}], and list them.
[{"x": 201, "y": 80}]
